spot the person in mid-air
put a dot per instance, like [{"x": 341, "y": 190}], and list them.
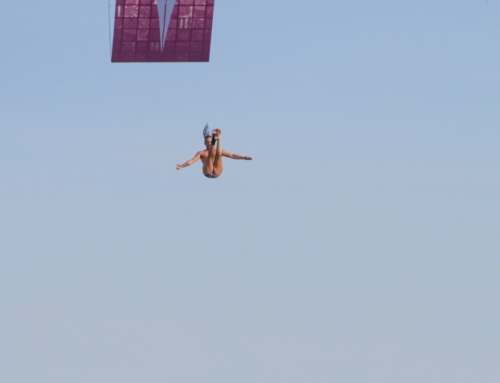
[{"x": 212, "y": 156}]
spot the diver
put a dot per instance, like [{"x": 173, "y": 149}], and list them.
[{"x": 212, "y": 156}]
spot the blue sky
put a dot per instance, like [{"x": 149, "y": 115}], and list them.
[{"x": 360, "y": 245}]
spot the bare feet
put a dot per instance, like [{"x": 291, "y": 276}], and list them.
[{"x": 216, "y": 133}]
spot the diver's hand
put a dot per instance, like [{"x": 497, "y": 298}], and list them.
[
  {"x": 247, "y": 158},
  {"x": 178, "y": 167}
]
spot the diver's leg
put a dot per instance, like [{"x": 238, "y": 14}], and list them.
[
  {"x": 218, "y": 167},
  {"x": 208, "y": 166}
]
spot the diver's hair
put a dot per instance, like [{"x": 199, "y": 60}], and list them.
[{"x": 206, "y": 134}]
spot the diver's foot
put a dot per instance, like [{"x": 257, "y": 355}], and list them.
[{"x": 215, "y": 135}]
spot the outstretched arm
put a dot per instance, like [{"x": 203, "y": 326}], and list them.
[
  {"x": 235, "y": 156},
  {"x": 190, "y": 162}
]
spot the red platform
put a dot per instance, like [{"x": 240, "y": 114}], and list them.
[{"x": 141, "y": 36}]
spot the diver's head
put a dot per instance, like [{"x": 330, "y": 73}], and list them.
[
  {"x": 208, "y": 141},
  {"x": 208, "y": 137}
]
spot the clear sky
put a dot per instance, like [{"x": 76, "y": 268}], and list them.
[{"x": 360, "y": 245}]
